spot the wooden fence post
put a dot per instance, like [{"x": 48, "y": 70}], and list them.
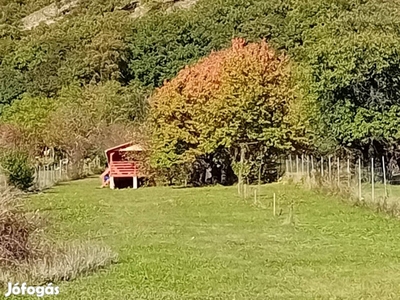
[
  {"x": 372, "y": 180},
  {"x": 45, "y": 175},
  {"x": 330, "y": 168},
  {"x": 359, "y": 179},
  {"x": 61, "y": 170},
  {"x": 287, "y": 167},
  {"x": 338, "y": 171},
  {"x": 51, "y": 175},
  {"x": 240, "y": 180},
  {"x": 384, "y": 175},
  {"x": 322, "y": 167},
  {"x": 38, "y": 178},
  {"x": 348, "y": 172},
  {"x": 312, "y": 163}
]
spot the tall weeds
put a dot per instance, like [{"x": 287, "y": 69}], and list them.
[
  {"x": 347, "y": 188},
  {"x": 26, "y": 255}
]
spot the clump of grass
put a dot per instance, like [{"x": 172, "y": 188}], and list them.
[
  {"x": 65, "y": 263},
  {"x": 17, "y": 231},
  {"x": 27, "y": 256}
]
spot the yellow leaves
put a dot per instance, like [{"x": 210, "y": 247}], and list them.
[{"x": 232, "y": 95}]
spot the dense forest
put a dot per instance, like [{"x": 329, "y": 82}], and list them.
[{"x": 328, "y": 81}]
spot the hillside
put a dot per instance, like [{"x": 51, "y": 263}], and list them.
[{"x": 57, "y": 10}]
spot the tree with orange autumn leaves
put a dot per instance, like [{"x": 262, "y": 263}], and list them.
[{"x": 243, "y": 94}]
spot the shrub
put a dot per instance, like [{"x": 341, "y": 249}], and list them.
[{"x": 18, "y": 169}]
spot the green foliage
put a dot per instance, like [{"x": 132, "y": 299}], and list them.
[
  {"x": 18, "y": 169},
  {"x": 31, "y": 116},
  {"x": 345, "y": 54},
  {"x": 347, "y": 48},
  {"x": 354, "y": 63},
  {"x": 85, "y": 119},
  {"x": 14, "y": 10},
  {"x": 242, "y": 95},
  {"x": 51, "y": 57}
]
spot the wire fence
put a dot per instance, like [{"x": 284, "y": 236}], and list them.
[
  {"x": 47, "y": 175},
  {"x": 372, "y": 182}
]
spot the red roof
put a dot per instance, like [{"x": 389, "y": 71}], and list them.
[
  {"x": 123, "y": 147},
  {"x": 116, "y": 148}
]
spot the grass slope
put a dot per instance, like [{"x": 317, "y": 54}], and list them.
[{"x": 206, "y": 243}]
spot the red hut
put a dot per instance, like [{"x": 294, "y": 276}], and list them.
[{"x": 123, "y": 169}]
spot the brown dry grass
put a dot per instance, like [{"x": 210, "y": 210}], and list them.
[
  {"x": 17, "y": 231},
  {"x": 27, "y": 256},
  {"x": 348, "y": 189}
]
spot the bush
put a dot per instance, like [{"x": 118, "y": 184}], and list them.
[{"x": 18, "y": 169}]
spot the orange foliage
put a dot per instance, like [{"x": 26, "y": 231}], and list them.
[{"x": 241, "y": 94}]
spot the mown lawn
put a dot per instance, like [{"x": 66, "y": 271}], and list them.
[{"x": 207, "y": 243}]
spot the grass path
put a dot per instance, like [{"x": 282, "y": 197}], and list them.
[{"x": 206, "y": 243}]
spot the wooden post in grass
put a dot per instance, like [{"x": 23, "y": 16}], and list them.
[
  {"x": 312, "y": 163},
  {"x": 384, "y": 175},
  {"x": 297, "y": 164},
  {"x": 274, "y": 205},
  {"x": 287, "y": 167},
  {"x": 302, "y": 165},
  {"x": 359, "y": 179},
  {"x": 45, "y": 175},
  {"x": 348, "y": 172},
  {"x": 330, "y": 167},
  {"x": 338, "y": 171},
  {"x": 240, "y": 179},
  {"x": 290, "y": 163},
  {"x": 259, "y": 178},
  {"x": 41, "y": 176},
  {"x": 135, "y": 182},
  {"x": 322, "y": 167},
  {"x": 50, "y": 175},
  {"x": 308, "y": 167},
  {"x": 255, "y": 196},
  {"x": 60, "y": 170},
  {"x": 372, "y": 180},
  {"x": 54, "y": 174},
  {"x": 38, "y": 177}
]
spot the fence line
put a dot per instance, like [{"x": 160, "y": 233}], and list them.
[
  {"x": 48, "y": 175},
  {"x": 372, "y": 182}
]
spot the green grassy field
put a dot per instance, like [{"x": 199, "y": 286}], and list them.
[{"x": 207, "y": 243}]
